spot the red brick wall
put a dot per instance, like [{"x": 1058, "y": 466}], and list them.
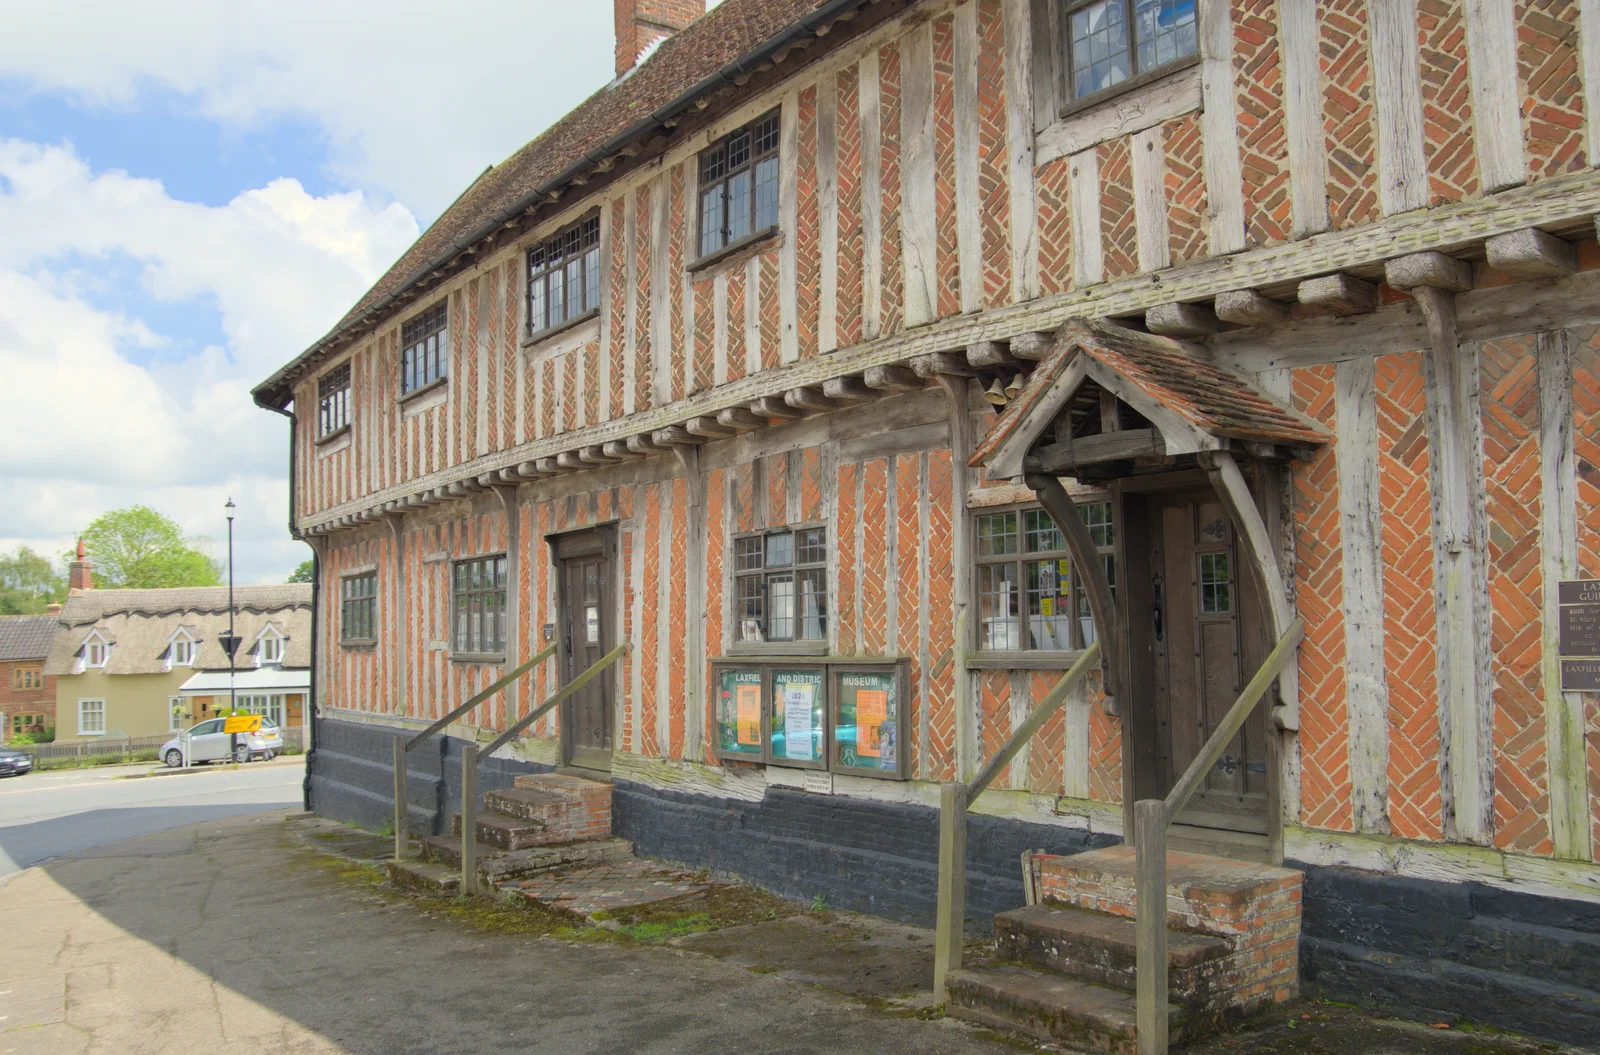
[{"x": 15, "y": 701}]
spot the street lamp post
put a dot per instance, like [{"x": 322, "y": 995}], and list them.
[{"x": 233, "y": 640}]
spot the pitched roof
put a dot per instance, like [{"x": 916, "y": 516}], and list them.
[
  {"x": 25, "y": 636},
  {"x": 142, "y": 622},
  {"x": 728, "y": 40},
  {"x": 1174, "y": 384}
]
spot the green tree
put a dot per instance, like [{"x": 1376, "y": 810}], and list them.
[
  {"x": 139, "y": 549},
  {"x": 28, "y": 582},
  {"x": 304, "y": 573}
]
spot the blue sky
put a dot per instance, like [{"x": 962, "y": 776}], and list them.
[{"x": 192, "y": 192}]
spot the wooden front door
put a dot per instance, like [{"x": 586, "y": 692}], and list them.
[
  {"x": 1208, "y": 642},
  {"x": 586, "y": 615}
]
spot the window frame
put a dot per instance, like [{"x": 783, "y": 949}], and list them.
[
  {"x": 90, "y": 644},
  {"x": 26, "y": 679},
  {"x": 1067, "y": 102},
  {"x": 366, "y": 604},
  {"x": 92, "y": 732},
  {"x": 333, "y": 402},
  {"x": 1019, "y": 559},
  {"x": 784, "y": 645},
  {"x": 754, "y": 229},
  {"x": 415, "y": 333},
  {"x": 498, "y": 566},
  {"x": 587, "y": 233},
  {"x": 176, "y": 712},
  {"x": 181, "y": 640},
  {"x": 252, "y": 703},
  {"x": 276, "y": 640}
]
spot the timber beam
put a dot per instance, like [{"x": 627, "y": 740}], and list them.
[
  {"x": 1035, "y": 345},
  {"x": 892, "y": 379},
  {"x": 986, "y": 355},
  {"x": 739, "y": 419},
  {"x": 848, "y": 390},
  {"x": 1246, "y": 307},
  {"x": 1339, "y": 294},
  {"x": 1061, "y": 459},
  {"x": 618, "y": 450},
  {"x": 773, "y": 408},
  {"x": 1181, "y": 320},
  {"x": 676, "y": 436},
  {"x": 808, "y": 399},
  {"x": 1531, "y": 253},
  {"x": 1432, "y": 269},
  {"x": 643, "y": 444},
  {"x": 595, "y": 456},
  {"x": 937, "y": 364},
  {"x": 710, "y": 428}
]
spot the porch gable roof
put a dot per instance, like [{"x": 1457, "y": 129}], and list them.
[{"x": 1193, "y": 403}]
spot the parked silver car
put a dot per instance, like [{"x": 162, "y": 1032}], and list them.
[{"x": 208, "y": 743}]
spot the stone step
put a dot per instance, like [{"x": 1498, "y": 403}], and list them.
[
  {"x": 497, "y": 866},
  {"x": 1210, "y": 895},
  {"x": 1050, "y": 1008},
  {"x": 531, "y": 804},
  {"x": 1101, "y": 948},
  {"x": 510, "y": 833},
  {"x": 428, "y": 877}
]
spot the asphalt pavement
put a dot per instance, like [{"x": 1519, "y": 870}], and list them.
[{"x": 51, "y": 814}]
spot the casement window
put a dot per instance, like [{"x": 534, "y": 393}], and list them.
[
  {"x": 1105, "y": 44},
  {"x": 269, "y": 707},
  {"x": 564, "y": 276},
  {"x": 182, "y": 652},
  {"x": 175, "y": 713},
  {"x": 425, "y": 358},
  {"x": 739, "y": 185},
  {"x": 26, "y": 723},
  {"x": 781, "y": 585},
  {"x": 91, "y": 717},
  {"x": 333, "y": 401},
  {"x": 1027, "y": 597},
  {"x": 96, "y": 653},
  {"x": 27, "y": 678},
  {"x": 358, "y": 611},
  {"x": 479, "y": 621},
  {"x": 269, "y": 649}
]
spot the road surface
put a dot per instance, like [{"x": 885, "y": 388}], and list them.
[{"x": 47, "y": 815}]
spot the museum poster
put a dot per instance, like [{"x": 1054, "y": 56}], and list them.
[
  {"x": 799, "y": 716},
  {"x": 739, "y": 712},
  {"x": 866, "y": 733}
]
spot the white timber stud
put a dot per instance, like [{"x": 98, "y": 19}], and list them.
[
  {"x": 1302, "y": 107},
  {"x": 1361, "y": 542},
  {"x": 788, "y": 209},
  {"x": 1088, "y": 257},
  {"x": 630, "y": 307},
  {"x": 662, "y": 289},
  {"x": 1020, "y": 102},
  {"x": 1224, "y": 177},
  {"x": 1150, "y": 199},
  {"x": 871, "y": 196},
  {"x": 1181, "y": 320},
  {"x": 1428, "y": 269},
  {"x": 1402, "y": 167},
  {"x": 1531, "y": 253},
  {"x": 664, "y": 625},
  {"x": 966, "y": 746},
  {"x": 694, "y": 603},
  {"x": 719, "y": 329},
  {"x": 1497, "y": 115},
  {"x": 969, "y": 237},
  {"x": 919, "y": 199},
  {"x": 1246, "y": 307},
  {"x": 688, "y": 251},
  {"x": 636, "y": 618},
  {"x": 1589, "y": 40},
  {"x": 1564, "y": 711},
  {"x": 752, "y": 317},
  {"x": 828, "y": 210},
  {"x": 1339, "y": 294}
]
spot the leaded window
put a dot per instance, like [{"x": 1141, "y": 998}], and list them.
[
  {"x": 358, "y": 607},
  {"x": 781, "y": 585},
  {"x": 480, "y": 606},
  {"x": 739, "y": 185},
  {"x": 564, "y": 276},
  {"x": 425, "y": 358},
  {"x": 1026, "y": 590},
  {"x": 1108, "y": 42},
  {"x": 333, "y": 400}
]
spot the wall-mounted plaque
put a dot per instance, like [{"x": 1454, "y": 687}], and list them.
[{"x": 1579, "y": 634}]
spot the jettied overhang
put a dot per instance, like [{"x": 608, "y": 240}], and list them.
[{"x": 1111, "y": 403}]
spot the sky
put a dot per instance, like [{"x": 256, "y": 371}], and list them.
[{"x": 191, "y": 192}]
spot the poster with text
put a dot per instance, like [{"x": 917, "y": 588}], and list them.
[
  {"x": 799, "y": 716},
  {"x": 866, "y": 732},
  {"x": 738, "y": 710}
]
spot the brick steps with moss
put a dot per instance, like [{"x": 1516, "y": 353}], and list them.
[{"x": 1067, "y": 970}]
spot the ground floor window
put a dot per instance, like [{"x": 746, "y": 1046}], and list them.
[
  {"x": 175, "y": 712},
  {"x": 1028, "y": 597},
  {"x": 268, "y": 706},
  {"x": 781, "y": 585},
  {"x": 26, "y": 723},
  {"x": 91, "y": 717}
]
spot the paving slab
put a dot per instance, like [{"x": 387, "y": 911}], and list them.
[{"x": 608, "y": 887}]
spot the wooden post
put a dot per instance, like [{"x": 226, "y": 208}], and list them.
[
  {"x": 401, "y": 820},
  {"x": 952, "y": 911},
  {"x": 469, "y": 819},
  {"x": 1150, "y": 878}
]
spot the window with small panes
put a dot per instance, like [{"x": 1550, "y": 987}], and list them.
[
  {"x": 781, "y": 586},
  {"x": 564, "y": 276},
  {"x": 739, "y": 185},
  {"x": 1027, "y": 593}
]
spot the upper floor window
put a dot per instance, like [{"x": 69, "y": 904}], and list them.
[
  {"x": 358, "y": 607},
  {"x": 781, "y": 585},
  {"x": 96, "y": 653},
  {"x": 739, "y": 185},
  {"x": 269, "y": 649},
  {"x": 564, "y": 276},
  {"x": 424, "y": 359},
  {"x": 27, "y": 678},
  {"x": 182, "y": 651},
  {"x": 480, "y": 606},
  {"x": 1027, "y": 596},
  {"x": 1109, "y": 42},
  {"x": 333, "y": 400}
]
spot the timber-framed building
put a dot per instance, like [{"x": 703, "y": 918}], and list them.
[{"x": 779, "y": 358}]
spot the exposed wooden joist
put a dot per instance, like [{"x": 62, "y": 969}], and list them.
[
  {"x": 848, "y": 390},
  {"x": 619, "y": 450},
  {"x": 1531, "y": 253},
  {"x": 739, "y": 419},
  {"x": 1339, "y": 294},
  {"x": 676, "y": 436},
  {"x": 989, "y": 354},
  {"x": 1428, "y": 269},
  {"x": 935, "y": 364},
  {"x": 710, "y": 428},
  {"x": 892, "y": 379},
  {"x": 773, "y": 407},
  {"x": 1181, "y": 320},
  {"x": 1035, "y": 345},
  {"x": 1246, "y": 307},
  {"x": 808, "y": 399},
  {"x": 1060, "y": 459}
]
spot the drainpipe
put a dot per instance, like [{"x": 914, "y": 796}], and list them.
[{"x": 309, "y": 710}]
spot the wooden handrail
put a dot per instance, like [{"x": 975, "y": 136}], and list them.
[
  {"x": 444, "y": 723},
  {"x": 471, "y": 755},
  {"x": 1035, "y": 721},
  {"x": 1151, "y": 819}
]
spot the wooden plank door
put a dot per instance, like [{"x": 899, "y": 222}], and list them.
[
  {"x": 1207, "y": 645},
  {"x": 587, "y": 634}
]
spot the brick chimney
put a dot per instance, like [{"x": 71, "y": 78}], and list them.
[
  {"x": 640, "y": 23},
  {"x": 78, "y": 577}
]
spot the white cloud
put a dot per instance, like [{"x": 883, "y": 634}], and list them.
[
  {"x": 415, "y": 98},
  {"x": 104, "y": 424}
]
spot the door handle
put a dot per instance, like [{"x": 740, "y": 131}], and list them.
[{"x": 1155, "y": 604}]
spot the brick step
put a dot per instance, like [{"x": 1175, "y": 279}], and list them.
[
  {"x": 1101, "y": 948},
  {"x": 530, "y": 804},
  {"x": 428, "y": 877},
  {"x": 1050, "y": 1008},
  {"x": 510, "y": 833},
  {"x": 496, "y": 866}
]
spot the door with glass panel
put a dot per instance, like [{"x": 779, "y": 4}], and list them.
[{"x": 587, "y": 616}]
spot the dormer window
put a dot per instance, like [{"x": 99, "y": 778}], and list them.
[
  {"x": 96, "y": 653},
  {"x": 269, "y": 648},
  {"x": 181, "y": 651}
]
